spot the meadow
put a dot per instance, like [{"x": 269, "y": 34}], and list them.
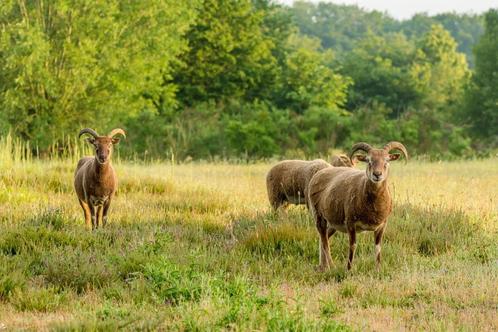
[{"x": 195, "y": 247}]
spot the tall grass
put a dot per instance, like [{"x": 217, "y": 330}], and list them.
[
  {"x": 14, "y": 150},
  {"x": 195, "y": 247}
]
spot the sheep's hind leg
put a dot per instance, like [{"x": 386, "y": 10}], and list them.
[
  {"x": 325, "y": 258},
  {"x": 277, "y": 201},
  {"x": 352, "y": 246},
  {"x": 87, "y": 212}
]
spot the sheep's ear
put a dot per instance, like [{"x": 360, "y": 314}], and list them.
[
  {"x": 361, "y": 157},
  {"x": 91, "y": 140},
  {"x": 394, "y": 156},
  {"x": 115, "y": 141}
]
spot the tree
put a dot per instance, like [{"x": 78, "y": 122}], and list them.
[
  {"x": 307, "y": 79},
  {"x": 71, "y": 63},
  {"x": 339, "y": 26},
  {"x": 440, "y": 74},
  {"x": 464, "y": 28},
  {"x": 380, "y": 68},
  {"x": 439, "y": 71},
  {"x": 229, "y": 54},
  {"x": 481, "y": 110}
]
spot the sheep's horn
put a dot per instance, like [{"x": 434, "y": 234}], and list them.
[
  {"x": 359, "y": 146},
  {"x": 88, "y": 131},
  {"x": 116, "y": 131},
  {"x": 396, "y": 146}
]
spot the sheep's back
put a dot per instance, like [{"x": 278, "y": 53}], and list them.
[{"x": 292, "y": 176}]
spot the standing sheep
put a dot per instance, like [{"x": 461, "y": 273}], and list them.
[
  {"x": 287, "y": 181},
  {"x": 95, "y": 181},
  {"x": 350, "y": 200}
]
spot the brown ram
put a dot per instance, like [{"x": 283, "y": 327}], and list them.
[
  {"x": 95, "y": 180},
  {"x": 351, "y": 200}
]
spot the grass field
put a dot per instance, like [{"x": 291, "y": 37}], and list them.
[{"x": 195, "y": 247}]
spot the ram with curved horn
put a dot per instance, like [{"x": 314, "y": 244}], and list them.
[
  {"x": 95, "y": 180},
  {"x": 351, "y": 200}
]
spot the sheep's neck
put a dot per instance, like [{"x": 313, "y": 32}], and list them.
[
  {"x": 101, "y": 170},
  {"x": 376, "y": 192}
]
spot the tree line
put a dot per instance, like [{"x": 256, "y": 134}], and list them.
[{"x": 248, "y": 78}]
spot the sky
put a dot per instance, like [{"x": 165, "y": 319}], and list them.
[{"x": 403, "y": 9}]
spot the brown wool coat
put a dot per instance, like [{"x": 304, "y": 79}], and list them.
[
  {"x": 287, "y": 181},
  {"x": 344, "y": 197}
]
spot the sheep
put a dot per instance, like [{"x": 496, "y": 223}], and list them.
[
  {"x": 351, "y": 200},
  {"x": 287, "y": 181},
  {"x": 95, "y": 181}
]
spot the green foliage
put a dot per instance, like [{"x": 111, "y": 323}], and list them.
[
  {"x": 439, "y": 71},
  {"x": 380, "y": 69},
  {"x": 67, "y": 64},
  {"x": 481, "y": 110},
  {"x": 229, "y": 54},
  {"x": 307, "y": 79},
  {"x": 207, "y": 79},
  {"x": 466, "y": 29},
  {"x": 339, "y": 26}
]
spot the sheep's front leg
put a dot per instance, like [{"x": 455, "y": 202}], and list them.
[
  {"x": 352, "y": 246},
  {"x": 325, "y": 258},
  {"x": 107, "y": 204},
  {"x": 378, "y": 239},
  {"x": 87, "y": 212},
  {"x": 331, "y": 232},
  {"x": 93, "y": 211},
  {"x": 99, "y": 215}
]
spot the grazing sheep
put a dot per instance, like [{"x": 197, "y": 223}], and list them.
[
  {"x": 288, "y": 180},
  {"x": 351, "y": 200},
  {"x": 95, "y": 181}
]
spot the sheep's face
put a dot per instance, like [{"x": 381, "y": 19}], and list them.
[
  {"x": 378, "y": 164},
  {"x": 103, "y": 147}
]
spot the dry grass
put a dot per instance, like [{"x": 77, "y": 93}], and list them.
[{"x": 195, "y": 247}]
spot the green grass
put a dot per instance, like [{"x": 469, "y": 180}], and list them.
[{"x": 194, "y": 247}]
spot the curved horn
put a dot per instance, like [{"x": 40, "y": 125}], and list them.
[
  {"x": 398, "y": 146},
  {"x": 359, "y": 146},
  {"x": 116, "y": 131},
  {"x": 88, "y": 131}
]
